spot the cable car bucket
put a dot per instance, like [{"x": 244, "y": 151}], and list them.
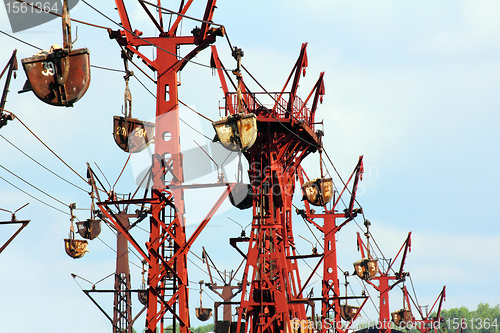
[
  {"x": 131, "y": 134},
  {"x": 202, "y": 313},
  {"x": 347, "y": 312},
  {"x": 318, "y": 191},
  {"x": 142, "y": 295},
  {"x": 236, "y": 132},
  {"x": 366, "y": 268},
  {"x": 75, "y": 248},
  {"x": 402, "y": 317},
  {"x": 89, "y": 229},
  {"x": 59, "y": 76}
]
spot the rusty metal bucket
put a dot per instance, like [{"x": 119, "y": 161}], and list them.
[
  {"x": 318, "y": 191},
  {"x": 58, "y": 77},
  {"x": 241, "y": 196},
  {"x": 143, "y": 297},
  {"x": 236, "y": 132},
  {"x": 89, "y": 229},
  {"x": 347, "y": 312},
  {"x": 402, "y": 317},
  {"x": 131, "y": 134},
  {"x": 366, "y": 268},
  {"x": 75, "y": 248},
  {"x": 203, "y": 314}
]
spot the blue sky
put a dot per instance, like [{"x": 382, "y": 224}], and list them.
[{"x": 412, "y": 86}]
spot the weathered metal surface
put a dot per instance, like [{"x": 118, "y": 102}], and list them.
[
  {"x": 143, "y": 297},
  {"x": 59, "y": 77},
  {"x": 89, "y": 229},
  {"x": 241, "y": 196},
  {"x": 75, "y": 248},
  {"x": 348, "y": 312},
  {"x": 318, "y": 191},
  {"x": 203, "y": 314},
  {"x": 366, "y": 268},
  {"x": 402, "y": 317},
  {"x": 131, "y": 134},
  {"x": 237, "y": 132}
]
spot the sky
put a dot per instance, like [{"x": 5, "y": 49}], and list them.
[{"x": 410, "y": 85}]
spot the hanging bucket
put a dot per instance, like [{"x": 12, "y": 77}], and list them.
[
  {"x": 89, "y": 229},
  {"x": 366, "y": 269},
  {"x": 203, "y": 314},
  {"x": 143, "y": 297},
  {"x": 75, "y": 248},
  {"x": 58, "y": 77},
  {"x": 318, "y": 191},
  {"x": 241, "y": 196},
  {"x": 347, "y": 312},
  {"x": 131, "y": 134},
  {"x": 236, "y": 132},
  {"x": 402, "y": 317}
]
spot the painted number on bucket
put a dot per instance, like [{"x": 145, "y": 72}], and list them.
[{"x": 48, "y": 69}]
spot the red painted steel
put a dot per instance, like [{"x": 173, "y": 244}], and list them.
[
  {"x": 272, "y": 292},
  {"x": 167, "y": 168},
  {"x": 384, "y": 281},
  {"x": 331, "y": 299}
]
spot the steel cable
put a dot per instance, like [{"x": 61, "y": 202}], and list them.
[
  {"x": 147, "y": 41},
  {"x": 34, "y": 196},
  {"x": 25, "y": 181},
  {"x": 43, "y": 166}
]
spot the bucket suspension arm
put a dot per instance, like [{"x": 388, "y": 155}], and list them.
[
  {"x": 405, "y": 248},
  {"x": 441, "y": 297},
  {"x": 319, "y": 91},
  {"x": 12, "y": 66},
  {"x": 216, "y": 64},
  {"x": 357, "y": 173},
  {"x": 300, "y": 66},
  {"x": 359, "y": 176}
]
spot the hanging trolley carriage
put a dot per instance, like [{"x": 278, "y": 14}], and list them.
[
  {"x": 318, "y": 191},
  {"x": 75, "y": 248},
  {"x": 202, "y": 313},
  {"x": 142, "y": 295},
  {"x": 236, "y": 132},
  {"x": 131, "y": 134},
  {"x": 89, "y": 229},
  {"x": 241, "y": 196},
  {"x": 366, "y": 268},
  {"x": 347, "y": 312},
  {"x": 59, "y": 76},
  {"x": 402, "y": 317}
]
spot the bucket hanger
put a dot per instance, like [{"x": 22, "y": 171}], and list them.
[
  {"x": 127, "y": 112},
  {"x": 72, "y": 217}
]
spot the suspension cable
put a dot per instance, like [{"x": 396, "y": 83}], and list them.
[
  {"x": 34, "y": 196},
  {"x": 60, "y": 15},
  {"x": 43, "y": 166},
  {"x": 147, "y": 41},
  {"x": 46, "y": 146},
  {"x": 40, "y": 49},
  {"x": 25, "y": 181}
]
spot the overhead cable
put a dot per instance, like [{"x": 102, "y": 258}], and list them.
[
  {"x": 43, "y": 166},
  {"x": 34, "y": 197}
]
